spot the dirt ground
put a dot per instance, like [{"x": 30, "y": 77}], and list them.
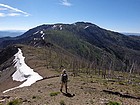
[{"x": 80, "y": 93}]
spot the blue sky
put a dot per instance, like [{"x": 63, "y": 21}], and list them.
[{"x": 116, "y": 15}]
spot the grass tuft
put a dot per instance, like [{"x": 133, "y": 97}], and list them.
[
  {"x": 113, "y": 103},
  {"x": 50, "y": 84},
  {"x": 15, "y": 102},
  {"x": 54, "y": 93},
  {"x": 62, "y": 102}
]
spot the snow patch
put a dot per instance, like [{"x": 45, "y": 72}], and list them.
[
  {"x": 23, "y": 72},
  {"x": 54, "y": 26},
  {"x": 57, "y": 27},
  {"x": 86, "y": 27},
  {"x": 41, "y": 32},
  {"x": 60, "y": 26},
  {"x": 42, "y": 36},
  {"x": 35, "y": 32}
]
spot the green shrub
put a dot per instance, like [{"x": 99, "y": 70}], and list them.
[
  {"x": 113, "y": 103},
  {"x": 62, "y": 102},
  {"x": 121, "y": 83},
  {"x": 50, "y": 84},
  {"x": 15, "y": 102},
  {"x": 54, "y": 93}
]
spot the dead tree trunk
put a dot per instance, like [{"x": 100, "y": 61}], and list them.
[{"x": 130, "y": 71}]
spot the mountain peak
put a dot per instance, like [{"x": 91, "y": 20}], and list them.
[{"x": 85, "y": 24}]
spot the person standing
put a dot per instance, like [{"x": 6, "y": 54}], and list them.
[{"x": 64, "y": 80}]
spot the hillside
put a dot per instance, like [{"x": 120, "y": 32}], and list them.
[
  {"x": 81, "y": 92},
  {"x": 40, "y": 59},
  {"x": 83, "y": 88},
  {"x": 103, "y": 66},
  {"x": 86, "y": 41}
]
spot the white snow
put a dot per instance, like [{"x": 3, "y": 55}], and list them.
[
  {"x": 57, "y": 27},
  {"x": 54, "y": 26},
  {"x": 36, "y": 39},
  {"x": 23, "y": 72},
  {"x": 35, "y": 33},
  {"x": 60, "y": 26},
  {"x": 42, "y": 36},
  {"x": 41, "y": 32},
  {"x": 86, "y": 27}
]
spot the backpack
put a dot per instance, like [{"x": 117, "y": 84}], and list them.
[{"x": 64, "y": 77}]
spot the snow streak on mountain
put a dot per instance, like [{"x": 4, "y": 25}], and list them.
[{"x": 23, "y": 72}]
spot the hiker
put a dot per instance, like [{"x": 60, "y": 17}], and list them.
[{"x": 64, "y": 80}]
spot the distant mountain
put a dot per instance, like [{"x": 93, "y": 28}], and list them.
[
  {"x": 84, "y": 40},
  {"x": 10, "y": 33},
  {"x": 132, "y": 34}
]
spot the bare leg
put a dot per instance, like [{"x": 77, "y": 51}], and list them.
[
  {"x": 61, "y": 87},
  {"x": 66, "y": 87}
]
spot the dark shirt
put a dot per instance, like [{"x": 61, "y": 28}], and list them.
[{"x": 64, "y": 78}]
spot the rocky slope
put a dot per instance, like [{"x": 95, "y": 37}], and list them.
[
  {"x": 81, "y": 92},
  {"x": 83, "y": 89}
]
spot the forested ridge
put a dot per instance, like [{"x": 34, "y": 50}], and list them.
[{"x": 83, "y": 47}]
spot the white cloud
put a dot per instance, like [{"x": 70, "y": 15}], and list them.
[
  {"x": 2, "y": 9},
  {"x": 2, "y": 15},
  {"x": 13, "y": 14},
  {"x": 11, "y": 11},
  {"x": 9, "y": 14},
  {"x": 65, "y": 3}
]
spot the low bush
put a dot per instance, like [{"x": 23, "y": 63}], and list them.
[
  {"x": 15, "y": 102},
  {"x": 113, "y": 103},
  {"x": 54, "y": 93},
  {"x": 62, "y": 102}
]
